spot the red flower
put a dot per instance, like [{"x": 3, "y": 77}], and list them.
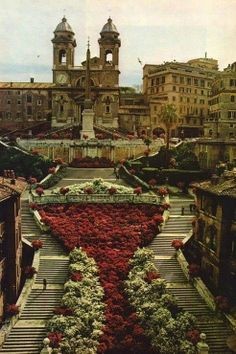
[
  {"x": 37, "y": 244},
  {"x": 39, "y": 191},
  {"x": 33, "y": 206},
  {"x": 162, "y": 192},
  {"x": 151, "y": 276},
  {"x": 158, "y": 219},
  {"x": 112, "y": 190},
  {"x": 152, "y": 182},
  {"x": 76, "y": 276},
  {"x": 88, "y": 190},
  {"x": 222, "y": 303},
  {"x": 166, "y": 206},
  {"x": 64, "y": 190},
  {"x": 52, "y": 170},
  {"x": 194, "y": 270},
  {"x": 63, "y": 310},
  {"x": 146, "y": 152},
  {"x": 30, "y": 271},
  {"x": 58, "y": 161},
  {"x": 193, "y": 336},
  {"x": 32, "y": 180},
  {"x": 177, "y": 244},
  {"x": 12, "y": 310},
  {"x": 138, "y": 190},
  {"x": 55, "y": 339}
]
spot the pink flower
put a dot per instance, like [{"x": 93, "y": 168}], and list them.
[{"x": 177, "y": 244}]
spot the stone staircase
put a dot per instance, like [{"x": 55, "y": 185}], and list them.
[
  {"x": 188, "y": 298},
  {"x": 27, "y": 335}
]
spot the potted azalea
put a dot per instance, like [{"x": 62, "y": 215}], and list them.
[
  {"x": 37, "y": 244},
  {"x": 177, "y": 244},
  {"x": 30, "y": 272},
  {"x": 12, "y": 310}
]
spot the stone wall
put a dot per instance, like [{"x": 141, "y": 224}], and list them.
[{"x": 69, "y": 149}]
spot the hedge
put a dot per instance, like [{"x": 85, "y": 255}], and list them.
[{"x": 173, "y": 175}]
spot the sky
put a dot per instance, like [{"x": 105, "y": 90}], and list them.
[{"x": 152, "y": 30}]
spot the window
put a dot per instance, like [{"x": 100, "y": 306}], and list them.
[
  {"x": 152, "y": 82},
  {"x": 108, "y": 56},
  {"x": 202, "y": 83},
  {"x": 18, "y": 101},
  {"x": 189, "y": 80},
  {"x": 62, "y": 57},
  {"x": 202, "y": 92},
  {"x": 155, "y": 108},
  {"x": 232, "y": 98},
  {"x": 29, "y": 99},
  {"x": 181, "y": 79},
  {"x": 8, "y": 101},
  {"x": 181, "y": 99},
  {"x": 39, "y": 115},
  {"x": 196, "y": 82},
  {"x": 8, "y": 115},
  {"x": 188, "y": 99},
  {"x": 163, "y": 79},
  {"x": 157, "y": 81},
  {"x": 29, "y": 110},
  {"x": 18, "y": 92},
  {"x": 173, "y": 98},
  {"x": 17, "y": 115},
  {"x": 174, "y": 78},
  {"x": 202, "y": 101},
  {"x": 174, "y": 88},
  {"x": 195, "y": 100},
  {"x": 39, "y": 102},
  {"x": 108, "y": 105}
]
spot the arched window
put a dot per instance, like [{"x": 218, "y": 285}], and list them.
[
  {"x": 81, "y": 82},
  {"x": 107, "y": 104},
  {"x": 62, "y": 57},
  {"x": 108, "y": 56}
]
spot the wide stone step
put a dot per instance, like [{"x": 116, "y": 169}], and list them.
[
  {"x": 170, "y": 270},
  {"x": 25, "y": 340},
  {"x": 54, "y": 270},
  {"x": 189, "y": 300},
  {"x": 217, "y": 333}
]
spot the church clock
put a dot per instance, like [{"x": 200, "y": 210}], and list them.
[{"x": 61, "y": 78}]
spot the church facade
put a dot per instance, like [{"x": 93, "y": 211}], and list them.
[{"x": 68, "y": 94}]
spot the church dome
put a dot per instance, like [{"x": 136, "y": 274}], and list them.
[
  {"x": 64, "y": 26},
  {"x": 109, "y": 27}
]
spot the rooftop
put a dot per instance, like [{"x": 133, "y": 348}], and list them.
[
  {"x": 26, "y": 85},
  {"x": 9, "y": 188},
  {"x": 221, "y": 186}
]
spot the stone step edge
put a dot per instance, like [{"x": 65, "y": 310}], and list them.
[{"x": 29, "y": 323}]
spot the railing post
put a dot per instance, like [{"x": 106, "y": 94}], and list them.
[
  {"x": 202, "y": 346},
  {"x": 46, "y": 349}
]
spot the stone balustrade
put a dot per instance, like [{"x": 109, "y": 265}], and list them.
[{"x": 94, "y": 198}]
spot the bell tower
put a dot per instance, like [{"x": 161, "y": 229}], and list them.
[
  {"x": 109, "y": 44},
  {"x": 64, "y": 44}
]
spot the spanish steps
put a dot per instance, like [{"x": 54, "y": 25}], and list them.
[{"x": 27, "y": 335}]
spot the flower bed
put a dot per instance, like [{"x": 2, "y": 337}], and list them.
[
  {"x": 97, "y": 186},
  {"x": 91, "y": 162},
  {"x": 82, "y": 310},
  {"x": 169, "y": 329},
  {"x": 110, "y": 234}
]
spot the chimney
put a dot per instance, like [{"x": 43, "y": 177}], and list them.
[{"x": 32, "y": 80}]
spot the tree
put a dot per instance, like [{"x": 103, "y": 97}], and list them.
[{"x": 168, "y": 117}]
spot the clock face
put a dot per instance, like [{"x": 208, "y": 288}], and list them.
[{"x": 62, "y": 78}]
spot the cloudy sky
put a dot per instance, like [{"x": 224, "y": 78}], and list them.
[{"x": 152, "y": 30}]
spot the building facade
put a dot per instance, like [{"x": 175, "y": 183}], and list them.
[
  {"x": 215, "y": 233},
  {"x": 221, "y": 122},
  {"x": 22, "y": 103},
  {"x": 10, "y": 241},
  {"x": 187, "y": 86}
]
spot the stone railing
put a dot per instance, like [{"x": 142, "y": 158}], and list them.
[{"x": 95, "y": 198}]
